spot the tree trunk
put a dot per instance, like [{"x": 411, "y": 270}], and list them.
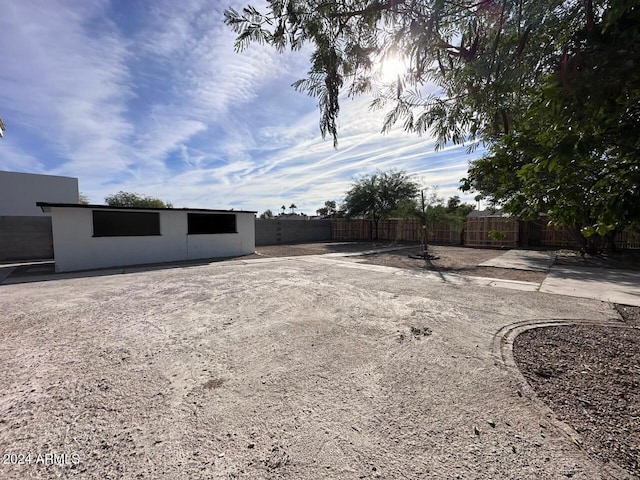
[{"x": 594, "y": 244}]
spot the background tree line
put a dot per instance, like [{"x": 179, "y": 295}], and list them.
[{"x": 393, "y": 194}]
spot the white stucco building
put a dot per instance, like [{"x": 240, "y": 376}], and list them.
[
  {"x": 19, "y": 192},
  {"x": 96, "y": 236},
  {"x": 25, "y": 230}
]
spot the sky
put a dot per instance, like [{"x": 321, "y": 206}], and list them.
[{"x": 150, "y": 97}]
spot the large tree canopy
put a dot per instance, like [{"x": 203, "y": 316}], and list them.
[
  {"x": 470, "y": 65},
  {"x": 552, "y": 86},
  {"x": 129, "y": 199},
  {"x": 576, "y": 152},
  {"x": 377, "y": 196}
]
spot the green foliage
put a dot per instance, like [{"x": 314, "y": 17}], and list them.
[
  {"x": 377, "y": 196},
  {"x": 496, "y": 235},
  {"x": 128, "y": 199},
  {"x": 553, "y": 86},
  {"x": 329, "y": 209},
  {"x": 575, "y": 154},
  {"x": 267, "y": 214},
  {"x": 483, "y": 57},
  {"x": 436, "y": 211},
  {"x": 457, "y": 208},
  {"x": 408, "y": 208}
]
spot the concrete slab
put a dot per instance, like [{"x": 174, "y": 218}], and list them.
[
  {"x": 617, "y": 286},
  {"x": 523, "y": 260}
]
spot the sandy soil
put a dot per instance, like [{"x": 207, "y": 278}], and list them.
[
  {"x": 300, "y": 369},
  {"x": 321, "y": 248},
  {"x": 600, "y": 402},
  {"x": 297, "y": 369},
  {"x": 459, "y": 260}
]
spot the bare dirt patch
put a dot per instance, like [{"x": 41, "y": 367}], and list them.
[
  {"x": 589, "y": 376},
  {"x": 270, "y": 370},
  {"x": 459, "y": 260},
  {"x": 629, "y": 314}
]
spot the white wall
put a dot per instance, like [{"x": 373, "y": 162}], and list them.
[
  {"x": 19, "y": 192},
  {"x": 225, "y": 244},
  {"x": 75, "y": 247}
]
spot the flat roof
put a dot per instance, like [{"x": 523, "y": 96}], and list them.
[
  {"x": 47, "y": 205},
  {"x": 27, "y": 174}
]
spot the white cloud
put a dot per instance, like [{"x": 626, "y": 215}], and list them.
[
  {"x": 163, "y": 106},
  {"x": 63, "y": 86}
]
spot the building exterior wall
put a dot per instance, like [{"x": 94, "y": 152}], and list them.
[
  {"x": 76, "y": 248},
  {"x": 25, "y": 231},
  {"x": 19, "y": 192},
  {"x": 224, "y": 244},
  {"x": 274, "y": 231},
  {"x": 25, "y": 238}
]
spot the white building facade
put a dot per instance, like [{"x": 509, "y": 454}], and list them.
[
  {"x": 96, "y": 236},
  {"x": 25, "y": 230},
  {"x": 19, "y": 192}
]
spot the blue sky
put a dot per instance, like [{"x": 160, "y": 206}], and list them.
[{"x": 150, "y": 97}]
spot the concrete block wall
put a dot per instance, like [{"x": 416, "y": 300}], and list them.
[
  {"x": 25, "y": 238},
  {"x": 274, "y": 231}
]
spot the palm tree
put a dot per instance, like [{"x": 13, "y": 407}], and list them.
[
  {"x": 293, "y": 208},
  {"x": 477, "y": 198},
  {"x": 283, "y": 209}
]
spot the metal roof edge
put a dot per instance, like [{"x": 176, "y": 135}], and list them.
[{"x": 108, "y": 207}]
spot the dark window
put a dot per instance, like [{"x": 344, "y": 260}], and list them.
[
  {"x": 125, "y": 224},
  {"x": 208, "y": 223}
]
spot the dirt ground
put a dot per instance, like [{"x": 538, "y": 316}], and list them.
[
  {"x": 588, "y": 375},
  {"x": 321, "y": 248},
  {"x": 461, "y": 260},
  {"x": 301, "y": 369}
]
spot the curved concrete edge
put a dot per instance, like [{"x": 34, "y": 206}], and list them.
[{"x": 502, "y": 351}]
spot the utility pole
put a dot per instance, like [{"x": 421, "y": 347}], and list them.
[{"x": 424, "y": 225}]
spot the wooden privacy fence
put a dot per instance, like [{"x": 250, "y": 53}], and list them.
[
  {"x": 627, "y": 240},
  {"x": 396, "y": 230},
  {"x": 539, "y": 233},
  {"x": 473, "y": 232},
  {"x": 477, "y": 232}
]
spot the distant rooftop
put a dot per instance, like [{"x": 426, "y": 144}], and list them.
[{"x": 491, "y": 212}]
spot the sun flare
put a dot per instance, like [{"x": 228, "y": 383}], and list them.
[{"x": 391, "y": 67}]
